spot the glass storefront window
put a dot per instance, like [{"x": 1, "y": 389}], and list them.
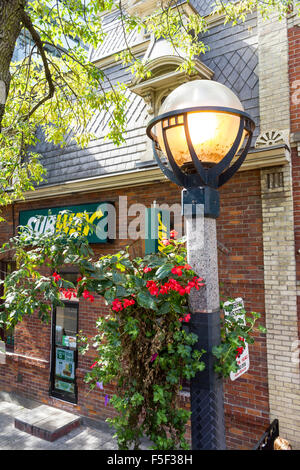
[{"x": 64, "y": 352}]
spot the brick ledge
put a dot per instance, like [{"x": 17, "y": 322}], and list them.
[{"x": 14, "y": 357}]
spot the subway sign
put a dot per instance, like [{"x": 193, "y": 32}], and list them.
[{"x": 53, "y": 219}]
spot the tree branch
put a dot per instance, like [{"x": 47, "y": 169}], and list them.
[{"x": 36, "y": 38}]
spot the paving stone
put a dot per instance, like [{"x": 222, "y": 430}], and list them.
[
  {"x": 46, "y": 422},
  {"x": 82, "y": 438}
]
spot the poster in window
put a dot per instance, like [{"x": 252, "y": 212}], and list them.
[
  {"x": 65, "y": 386},
  {"x": 65, "y": 363}
]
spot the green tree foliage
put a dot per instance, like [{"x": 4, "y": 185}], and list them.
[{"x": 56, "y": 86}]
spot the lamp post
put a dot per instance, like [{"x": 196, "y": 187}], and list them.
[{"x": 200, "y": 139}]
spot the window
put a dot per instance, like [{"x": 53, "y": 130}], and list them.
[{"x": 64, "y": 348}]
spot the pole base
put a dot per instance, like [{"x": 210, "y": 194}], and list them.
[{"x": 207, "y": 400}]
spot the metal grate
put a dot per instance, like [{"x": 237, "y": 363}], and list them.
[{"x": 266, "y": 442}]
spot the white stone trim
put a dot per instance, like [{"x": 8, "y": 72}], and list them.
[{"x": 273, "y": 137}]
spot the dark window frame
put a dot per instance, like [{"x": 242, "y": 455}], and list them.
[{"x": 60, "y": 394}]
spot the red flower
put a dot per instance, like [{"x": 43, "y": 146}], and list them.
[
  {"x": 198, "y": 282},
  {"x": 117, "y": 305},
  {"x": 147, "y": 269},
  {"x": 165, "y": 241},
  {"x": 187, "y": 318},
  {"x": 239, "y": 351},
  {"x": 188, "y": 289},
  {"x": 79, "y": 279},
  {"x": 187, "y": 266},
  {"x": 56, "y": 277},
  {"x": 93, "y": 365},
  {"x": 128, "y": 302},
  {"x": 164, "y": 289},
  {"x": 177, "y": 270},
  {"x": 152, "y": 288},
  {"x": 68, "y": 293},
  {"x": 173, "y": 234},
  {"x": 86, "y": 295}
]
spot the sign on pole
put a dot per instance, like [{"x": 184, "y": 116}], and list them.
[{"x": 236, "y": 308}]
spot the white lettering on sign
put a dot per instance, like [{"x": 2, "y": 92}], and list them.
[
  {"x": 52, "y": 223},
  {"x": 235, "y": 309}
]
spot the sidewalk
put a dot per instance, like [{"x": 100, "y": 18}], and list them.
[{"x": 82, "y": 438}]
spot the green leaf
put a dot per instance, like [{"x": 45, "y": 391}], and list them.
[
  {"x": 164, "y": 271},
  {"x": 110, "y": 295},
  {"x": 118, "y": 278},
  {"x": 164, "y": 308},
  {"x": 146, "y": 300},
  {"x": 262, "y": 329}
]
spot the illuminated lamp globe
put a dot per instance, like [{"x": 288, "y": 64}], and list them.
[{"x": 213, "y": 114}]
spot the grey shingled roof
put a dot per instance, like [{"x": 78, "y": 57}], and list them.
[
  {"x": 202, "y": 6},
  {"x": 115, "y": 40},
  {"x": 232, "y": 56},
  {"x": 101, "y": 156}
]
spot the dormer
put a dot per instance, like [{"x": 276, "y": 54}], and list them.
[{"x": 165, "y": 76}]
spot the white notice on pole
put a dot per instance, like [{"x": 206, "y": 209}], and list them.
[{"x": 235, "y": 308}]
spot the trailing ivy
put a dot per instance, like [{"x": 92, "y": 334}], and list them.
[
  {"x": 142, "y": 345},
  {"x": 236, "y": 330}
]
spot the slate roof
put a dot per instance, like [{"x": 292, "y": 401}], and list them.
[
  {"x": 202, "y": 6},
  {"x": 114, "y": 40},
  {"x": 233, "y": 57}
]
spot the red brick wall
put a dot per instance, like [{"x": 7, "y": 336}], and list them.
[
  {"x": 294, "y": 76},
  {"x": 241, "y": 274}
]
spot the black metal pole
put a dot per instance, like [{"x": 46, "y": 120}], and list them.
[{"x": 207, "y": 400}]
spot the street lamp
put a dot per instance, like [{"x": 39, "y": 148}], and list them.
[
  {"x": 200, "y": 138},
  {"x": 200, "y": 128}
]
